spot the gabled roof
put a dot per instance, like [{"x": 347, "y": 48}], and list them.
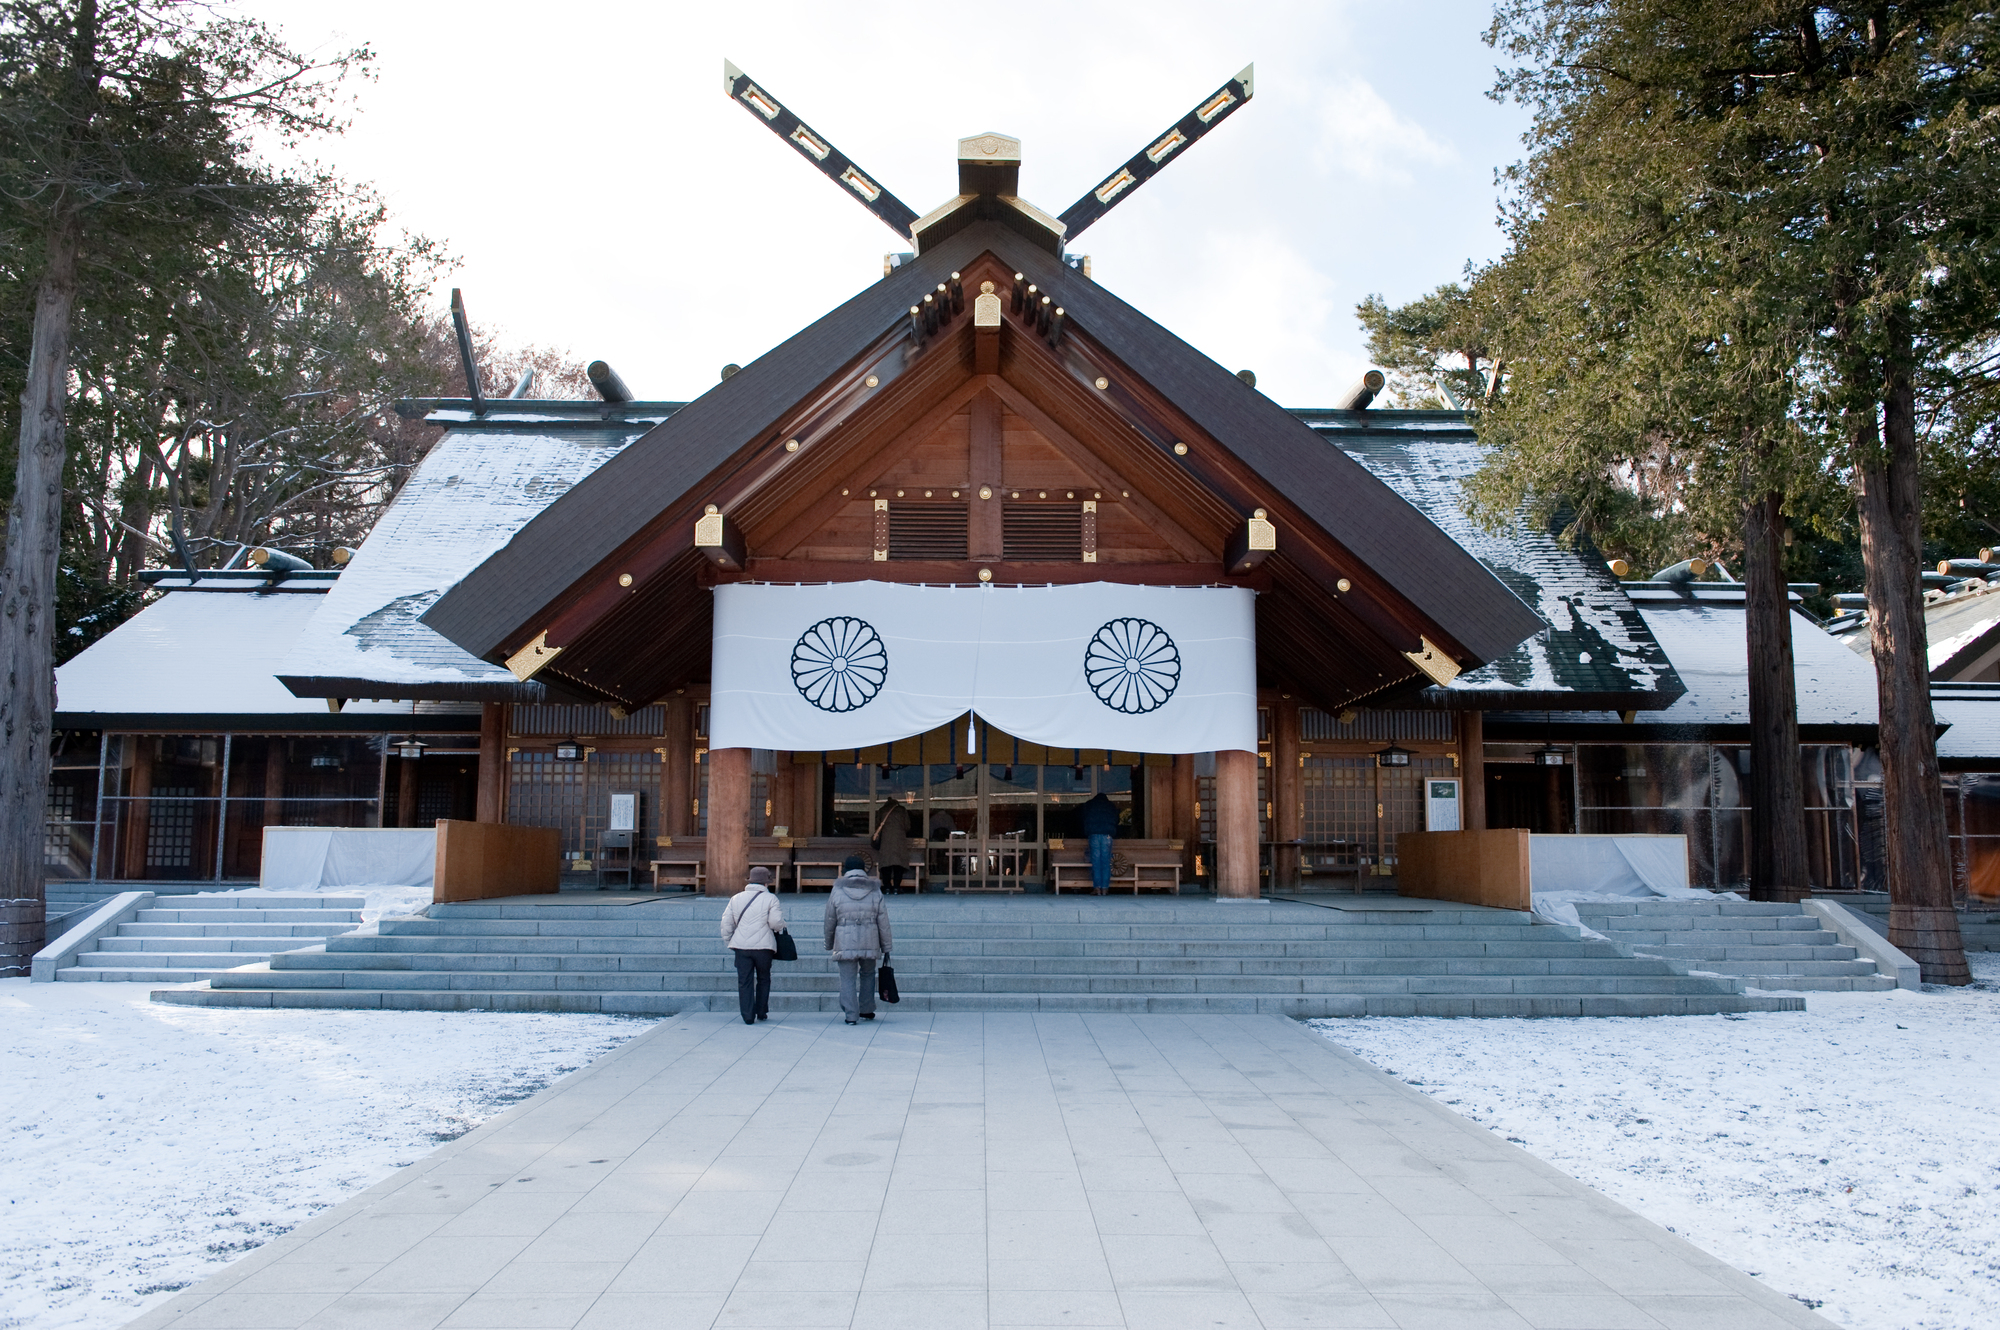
[
  {"x": 1701, "y": 629},
  {"x": 203, "y": 661},
  {"x": 536, "y": 570},
  {"x": 486, "y": 478},
  {"x": 1596, "y": 650}
]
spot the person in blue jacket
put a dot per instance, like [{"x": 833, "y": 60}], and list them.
[{"x": 1099, "y": 819}]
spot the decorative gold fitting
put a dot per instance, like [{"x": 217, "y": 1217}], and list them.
[
  {"x": 986, "y": 574},
  {"x": 1180, "y": 449},
  {"x": 1441, "y": 668},
  {"x": 1090, "y": 505},
  {"x": 1103, "y": 383},
  {"x": 530, "y": 659},
  {"x": 791, "y": 445},
  {"x": 1262, "y": 535},
  {"x": 985, "y": 492},
  {"x": 708, "y": 529},
  {"x": 1343, "y": 585},
  {"x": 871, "y": 381},
  {"x": 624, "y": 579},
  {"x": 881, "y": 505}
]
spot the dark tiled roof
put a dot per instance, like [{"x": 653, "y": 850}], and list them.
[{"x": 1596, "y": 650}]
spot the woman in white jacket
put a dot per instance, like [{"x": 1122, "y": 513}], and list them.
[{"x": 751, "y": 923}]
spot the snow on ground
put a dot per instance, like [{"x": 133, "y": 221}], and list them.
[
  {"x": 144, "y": 1146},
  {"x": 1845, "y": 1155}
]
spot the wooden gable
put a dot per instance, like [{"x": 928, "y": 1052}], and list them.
[{"x": 607, "y": 592}]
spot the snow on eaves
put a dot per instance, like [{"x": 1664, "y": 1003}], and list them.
[
  {"x": 1596, "y": 642},
  {"x": 475, "y": 490}
]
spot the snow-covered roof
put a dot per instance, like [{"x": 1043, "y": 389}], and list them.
[
  {"x": 1705, "y": 640},
  {"x": 1973, "y": 713},
  {"x": 1596, "y": 650},
  {"x": 477, "y": 487},
  {"x": 199, "y": 657}
]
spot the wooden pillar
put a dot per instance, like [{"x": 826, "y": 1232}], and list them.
[
  {"x": 492, "y": 806},
  {"x": 1236, "y": 824},
  {"x": 805, "y": 795},
  {"x": 1159, "y": 803},
  {"x": 983, "y": 526},
  {"x": 1472, "y": 769},
  {"x": 1287, "y": 813},
  {"x": 406, "y": 792},
  {"x": 728, "y": 820},
  {"x": 1186, "y": 822},
  {"x": 782, "y": 781},
  {"x": 677, "y": 769},
  {"x": 139, "y": 812}
]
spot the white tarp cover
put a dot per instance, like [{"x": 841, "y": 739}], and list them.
[
  {"x": 849, "y": 665},
  {"x": 1564, "y": 870},
  {"x": 314, "y": 858}
]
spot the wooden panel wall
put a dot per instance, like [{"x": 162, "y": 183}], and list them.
[
  {"x": 481, "y": 860},
  {"x": 1470, "y": 867}
]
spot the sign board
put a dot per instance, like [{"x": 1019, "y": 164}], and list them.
[
  {"x": 1441, "y": 806},
  {"x": 624, "y": 811}
]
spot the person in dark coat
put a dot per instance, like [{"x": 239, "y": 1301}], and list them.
[
  {"x": 1099, "y": 819},
  {"x": 892, "y": 844},
  {"x": 857, "y": 933}
]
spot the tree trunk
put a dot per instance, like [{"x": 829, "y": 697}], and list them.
[
  {"x": 1921, "y": 919},
  {"x": 135, "y": 517},
  {"x": 1778, "y": 870},
  {"x": 27, "y": 612}
]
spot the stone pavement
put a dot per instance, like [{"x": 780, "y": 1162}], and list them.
[{"x": 951, "y": 1171}]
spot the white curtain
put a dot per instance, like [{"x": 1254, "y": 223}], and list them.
[
  {"x": 316, "y": 858},
  {"x": 850, "y": 665}
]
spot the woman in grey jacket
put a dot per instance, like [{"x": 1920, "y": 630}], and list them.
[{"x": 857, "y": 933}]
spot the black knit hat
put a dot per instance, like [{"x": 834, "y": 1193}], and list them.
[{"x": 853, "y": 863}]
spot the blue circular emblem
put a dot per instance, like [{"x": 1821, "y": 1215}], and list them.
[
  {"x": 840, "y": 664},
  {"x": 1132, "y": 666}
]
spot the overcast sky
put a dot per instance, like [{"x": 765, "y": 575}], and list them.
[{"x": 600, "y": 194}]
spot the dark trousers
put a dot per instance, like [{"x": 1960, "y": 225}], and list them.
[
  {"x": 1100, "y": 863},
  {"x": 753, "y": 982},
  {"x": 892, "y": 877}
]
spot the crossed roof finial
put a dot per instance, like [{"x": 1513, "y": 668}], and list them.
[{"x": 989, "y": 169}]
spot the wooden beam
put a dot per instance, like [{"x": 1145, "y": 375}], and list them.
[
  {"x": 728, "y": 821},
  {"x": 983, "y": 525},
  {"x": 873, "y": 455},
  {"x": 1004, "y": 574},
  {"x": 1472, "y": 769},
  {"x": 1083, "y": 456},
  {"x": 491, "y": 805},
  {"x": 1286, "y": 780},
  {"x": 677, "y": 768},
  {"x": 1236, "y": 824}
]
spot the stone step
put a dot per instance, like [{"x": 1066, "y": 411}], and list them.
[
  {"x": 643, "y": 981},
  {"x": 1791, "y": 937},
  {"x": 115, "y": 975},
  {"x": 1788, "y": 968},
  {"x": 263, "y": 946},
  {"x": 709, "y": 962},
  {"x": 213, "y": 918},
  {"x": 1330, "y": 1005},
  {"x": 1834, "y": 952},
  {"x": 329, "y": 928},
  {"x": 1806, "y": 983},
  {"x": 1656, "y": 920},
  {"x": 176, "y": 960},
  {"x": 1654, "y": 905},
  {"x": 263, "y": 901}
]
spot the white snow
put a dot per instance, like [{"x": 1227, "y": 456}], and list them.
[
  {"x": 1845, "y": 1154},
  {"x": 144, "y": 1146}
]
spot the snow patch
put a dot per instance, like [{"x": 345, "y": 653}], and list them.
[
  {"x": 1842, "y": 1154},
  {"x": 145, "y": 1146}
]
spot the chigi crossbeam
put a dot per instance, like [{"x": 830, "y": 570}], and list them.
[
  {"x": 818, "y": 149},
  {"x": 1212, "y": 110}
]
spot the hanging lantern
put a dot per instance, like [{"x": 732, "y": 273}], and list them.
[
  {"x": 1548, "y": 755},
  {"x": 411, "y": 748},
  {"x": 569, "y": 750},
  {"x": 1392, "y": 756}
]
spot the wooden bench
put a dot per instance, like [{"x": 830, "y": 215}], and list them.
[
  {"x": 680, "y": 861},
  {"x": 1142, "y": 865},
  {"x": 816, "y": 860}
]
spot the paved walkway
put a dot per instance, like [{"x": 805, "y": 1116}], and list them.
[{"x": 953, "y": 1172}]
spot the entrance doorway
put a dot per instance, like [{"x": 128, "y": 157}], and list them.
[{"x": 985, "y": 826}]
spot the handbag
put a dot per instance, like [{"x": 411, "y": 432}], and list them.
[
  {"x": 787, "y": 946},
  {"x": 885, "y": 982}
]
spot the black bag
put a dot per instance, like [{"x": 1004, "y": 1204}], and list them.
[
  {"x": 788, "y": 950},
  {"x": 885, "y": 982}
]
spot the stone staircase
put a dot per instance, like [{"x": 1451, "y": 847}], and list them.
[
  {"x": 186, "y": 938},
  {"x": 654, "y": 956},
  {"x": 1769, "y": 946},
  {"x": 1978, "y": 925}
]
